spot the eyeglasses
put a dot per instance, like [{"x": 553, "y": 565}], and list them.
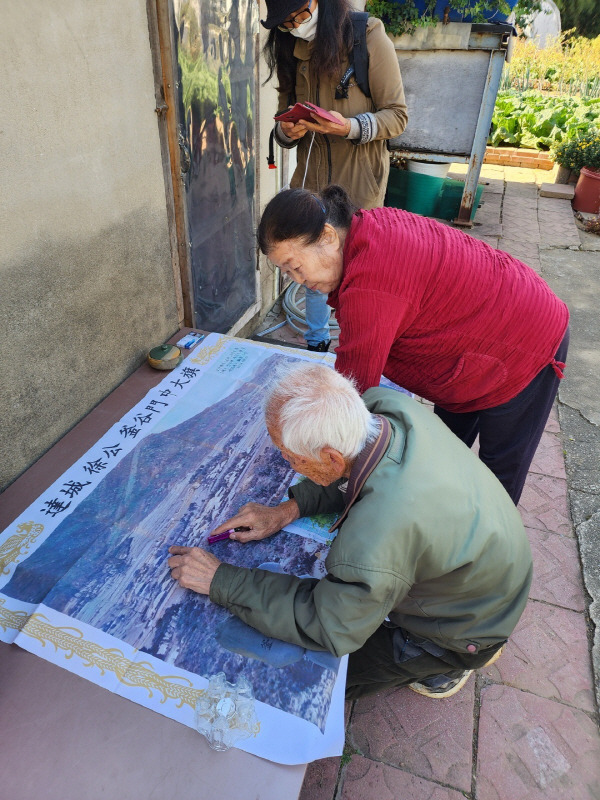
[{"x": 296, "y": 19}]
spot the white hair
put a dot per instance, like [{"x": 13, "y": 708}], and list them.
[{"x": 312, "y": 407}]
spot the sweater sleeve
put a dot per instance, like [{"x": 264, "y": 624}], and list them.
[
  {"x": 313, "y": 499},
  {"x": 370, "y": 322},
  {"x": 283, "y": 140}
]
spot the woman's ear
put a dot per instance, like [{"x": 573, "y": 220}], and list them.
[{"x": 329, "y": 234}]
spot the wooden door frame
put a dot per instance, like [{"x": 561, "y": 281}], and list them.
[{"x": 162, "y": 46}]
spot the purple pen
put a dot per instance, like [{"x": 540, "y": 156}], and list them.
[{"x": 219, "y": 537}]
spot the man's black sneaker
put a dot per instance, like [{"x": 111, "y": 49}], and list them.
[
  {"x": 322, "y": 347},
  {"x": 445, "y": 690}
]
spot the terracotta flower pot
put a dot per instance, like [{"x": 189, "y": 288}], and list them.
[{"x": 587, "y": 191}]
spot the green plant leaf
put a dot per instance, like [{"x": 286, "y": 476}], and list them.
[{"x": 533, "y": 119}]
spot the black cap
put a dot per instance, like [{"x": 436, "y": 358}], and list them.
[{"x": 279, "y": 10}]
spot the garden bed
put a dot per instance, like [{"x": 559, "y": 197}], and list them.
[{"x": 541, "y": 121}]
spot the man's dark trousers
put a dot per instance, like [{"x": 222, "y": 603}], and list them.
[{"x": 393, "y": 657}]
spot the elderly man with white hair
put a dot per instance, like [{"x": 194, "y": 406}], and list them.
[{"x": 430, "y": 569}]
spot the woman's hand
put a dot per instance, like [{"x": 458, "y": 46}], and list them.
[
  {"x": 193, "y": 568},
  {"x": 261, "y": 521},
  {"x": 293, "y": 130},
  {"x": 321, "y": 125}
]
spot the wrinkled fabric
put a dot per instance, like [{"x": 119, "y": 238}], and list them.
[{"x": 440, "y": 313}]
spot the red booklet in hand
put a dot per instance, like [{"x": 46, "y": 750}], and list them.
[{"x": 303, "y": 111}]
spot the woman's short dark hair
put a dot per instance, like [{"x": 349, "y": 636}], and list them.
[{"x": 300, "y": 214}]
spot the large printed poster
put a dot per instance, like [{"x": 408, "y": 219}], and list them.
[{"x": 84, "y": 581}]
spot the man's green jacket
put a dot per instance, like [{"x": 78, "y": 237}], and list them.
[{"x": 432, "y": 542}]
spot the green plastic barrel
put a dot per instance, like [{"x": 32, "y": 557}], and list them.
[
  {"x": 423, "y": 193},
  {"x": 427, "y": 195}
]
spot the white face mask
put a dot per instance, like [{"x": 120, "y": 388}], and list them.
[{"x": 307, "y": 30}]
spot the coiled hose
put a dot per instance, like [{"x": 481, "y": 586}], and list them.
[{"x": 293, "y": 308}]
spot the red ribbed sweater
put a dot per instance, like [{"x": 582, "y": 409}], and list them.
[{"x": 441, "y": 313}]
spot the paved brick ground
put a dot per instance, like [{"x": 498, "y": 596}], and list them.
[{"x": 527, "y": 727}]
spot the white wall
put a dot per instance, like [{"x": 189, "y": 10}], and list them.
[{"x": 85, "y": 264}]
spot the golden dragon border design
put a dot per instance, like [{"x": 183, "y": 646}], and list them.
[
  {"x": 15, "y": 620},
  {"x": 18, "y": 544},
  {"x": 110, "y": 659},
  {"x": 137, "y": 674}
]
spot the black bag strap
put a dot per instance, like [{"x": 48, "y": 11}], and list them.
[
  {"x": 360, "y": 54},
  {"x": 271, "y": 155}
]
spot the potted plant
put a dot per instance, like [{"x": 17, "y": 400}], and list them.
[
  {"x": 405, "y": 16},
  {"x": 576, "y": 154},
  {"x": 581, "y": 155}
]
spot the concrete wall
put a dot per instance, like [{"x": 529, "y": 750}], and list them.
[{"x": 85, "y": 263}]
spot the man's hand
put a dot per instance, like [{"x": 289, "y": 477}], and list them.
[
  {"x": 193, "y": 568},
  {"x": 262, "y": 521}
]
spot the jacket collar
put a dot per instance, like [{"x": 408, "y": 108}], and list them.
[
  {"x": 365, "y": 463},
  {"x": 303, "y": 49}
]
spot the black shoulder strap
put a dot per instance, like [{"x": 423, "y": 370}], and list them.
[{"x": 360, "y": 54}]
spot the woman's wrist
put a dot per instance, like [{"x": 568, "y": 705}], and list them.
[{"x": 354, "y": 129}]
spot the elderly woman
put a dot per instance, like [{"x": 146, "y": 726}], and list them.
[
  {"x": 430, "y": 569},
  {"x": 470, "y": 328}
]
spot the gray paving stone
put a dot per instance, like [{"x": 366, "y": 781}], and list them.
[
  {"x": 494, "y": 186},
  {"x": 520, "y": 190},
  {"x": 491, "y": 199},
  {"x": 557, "y": 224},
  {"x": 583, "y": 506},
  {"x": 320, "y": 779},
  {"x": 581, "y": 440},
  {"x": 559, "y": 191},
  {"x": 589, "y": 241},
  {"x": 575, "y": 277},
  {"x": 486, "y": 229},
  {"x": 588, "y": 533}
]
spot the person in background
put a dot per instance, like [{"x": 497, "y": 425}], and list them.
[
  {"x": 308, "y": 48},
  {"x": 470, "y": 328},
  {"x": 430, "y": 569}
]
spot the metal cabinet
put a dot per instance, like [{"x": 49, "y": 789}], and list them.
[{"x": 451, "y": 75}]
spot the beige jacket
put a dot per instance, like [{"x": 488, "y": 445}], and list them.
[{"x": 362, "y": 169}]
